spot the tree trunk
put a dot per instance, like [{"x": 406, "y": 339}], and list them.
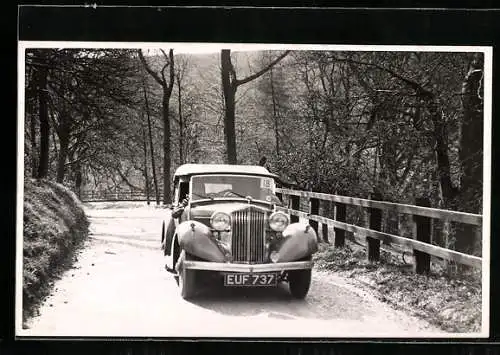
[
  {"x": 471, "y": 156},
  {"x": 34, "y": 173},
  {"x": 229, "y": 90},
  {"x": 151, "y": 148},
  {"x": 78, "y": 180},
  {"x": 61, "y": 160},
  {"x": 63, "y": 135},
  {"x": 448, "y": 190},
  {"x": 167, "y": 92},
  {"x": 229, "y": 86},
  {"x": 230, "y": 130},
  {"x": 30, "y": 107},
  {"x": 43, "y": 167},
  {"x": 181, "y": 122},
  {"x": 275, "y": 114},
  {"x": 146, "y": 177},
  {"x": 167, "y": 198},
  {"x": 471, "y": 143}
]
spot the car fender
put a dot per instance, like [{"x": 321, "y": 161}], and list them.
[
  {"x": 300, "y": 240},
  {"x": 196, "y": 239}
]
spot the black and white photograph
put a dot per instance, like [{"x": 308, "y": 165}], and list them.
[{"x": 208, "y": 190}]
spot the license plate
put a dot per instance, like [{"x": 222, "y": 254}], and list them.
[{"x": 251, "y": 279}]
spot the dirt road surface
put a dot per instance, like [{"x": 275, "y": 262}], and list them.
[{"x": 118, "y": 287}]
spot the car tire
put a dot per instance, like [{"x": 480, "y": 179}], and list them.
[
  {"x": 299, "y": 282},
  {"x": 186, "y": 280},
  {"x": 163, "y": 235}
]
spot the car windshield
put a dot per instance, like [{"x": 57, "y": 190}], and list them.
[{"x": 232, "y": 186}]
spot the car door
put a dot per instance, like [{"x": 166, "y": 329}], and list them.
[
  {"x": 170, "y": 224},
  {"x": 181, "y": 191}
]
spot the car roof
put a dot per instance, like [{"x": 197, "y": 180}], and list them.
[{"x": 200, "y": 169}]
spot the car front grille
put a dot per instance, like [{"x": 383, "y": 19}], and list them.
[{"x": 248, "y": 235}]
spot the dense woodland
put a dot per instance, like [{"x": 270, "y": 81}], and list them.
[{"x": 400, "y": 125}]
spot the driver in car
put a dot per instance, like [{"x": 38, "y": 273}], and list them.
[{"x": 177, "y": 210}]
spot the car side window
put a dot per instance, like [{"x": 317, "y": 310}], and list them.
[
  {"x": 183, "y": 190},
  {"x": 176, "y": 194}
]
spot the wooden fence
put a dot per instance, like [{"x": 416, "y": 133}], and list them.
[
  {"x": 372, "y": 236},
  {"x": 114, "y": 196},
  {"x": 422, "y": 216}
]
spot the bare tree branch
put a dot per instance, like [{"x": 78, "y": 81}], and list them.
[
  {"x": 418, "y": 88},
  {"x": 260, "y": 72},
  {"x": 149, "y": 70}
]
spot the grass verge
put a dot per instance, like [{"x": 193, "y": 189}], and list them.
[
  {"x": 450, "y": 301},
  {"x": 54, "y": 227}
]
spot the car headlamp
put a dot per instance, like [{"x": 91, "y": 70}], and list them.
[
  {"x": 220, "y": 221},
  {"x": 278, "y": 221}
]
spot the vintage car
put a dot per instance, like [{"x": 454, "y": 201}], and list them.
[{"x": 225, "y": 221}]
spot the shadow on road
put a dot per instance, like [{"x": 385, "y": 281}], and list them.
[{"x": 323, "y": 302}]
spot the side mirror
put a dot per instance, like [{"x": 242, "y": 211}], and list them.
[{"x": 177, "y": 212}]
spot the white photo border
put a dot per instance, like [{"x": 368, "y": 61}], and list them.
[{"x": 205, "y": 47}]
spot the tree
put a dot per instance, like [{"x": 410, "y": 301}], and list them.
[
  {"x": 274, "y": 102},
  {"x": 39, "y": 61},
  {"x": 31, "y": 108},
  {"x": 179, "y": 76},
  {"x": 230, "y": 84},
  {"x": 471, "y": 153},
  {"x": 167, "y": 86},
  {"x": 432, "y": 104},
  {"x": 83, "y": 90},
  {"x": 146, "y": 177},
  {"x": 151, "y": 145},
  {"x": 471, "y": 147}
]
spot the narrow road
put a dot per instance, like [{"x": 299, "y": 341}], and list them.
[{"x": 119, "y": 288}]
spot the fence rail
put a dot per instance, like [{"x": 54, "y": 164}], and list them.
[
  {"x": 115, "y": 196},
  {"x": 422, "y": 216},
  {"x": 455, "y": 216}
]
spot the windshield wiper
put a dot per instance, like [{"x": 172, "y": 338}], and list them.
[
  {"x": 238, "y": 194},
  {"x": 202, "y": 196}
]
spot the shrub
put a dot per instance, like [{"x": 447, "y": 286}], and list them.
[{"x": 54, "y": 226}]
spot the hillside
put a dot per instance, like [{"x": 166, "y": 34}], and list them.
[{"x": 54, "y": 227}]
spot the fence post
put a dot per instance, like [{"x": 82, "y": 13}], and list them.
[
  {"x": 340, "y": 215},
  {"x": 295, "y": 201},
  {"x": 375, "y": 224},
  {"x": 314, "y": 210},
  {"x": 324, "y": 226},
  {"x": 423, "y": 234},
  {"x": 326, "y": 212},
  {"x": 324, "y": 230}
]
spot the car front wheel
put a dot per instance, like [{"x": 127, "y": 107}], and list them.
[{"x": 299, "y": 282}]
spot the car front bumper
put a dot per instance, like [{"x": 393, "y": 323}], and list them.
[{"x": 233, "y": 267}]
